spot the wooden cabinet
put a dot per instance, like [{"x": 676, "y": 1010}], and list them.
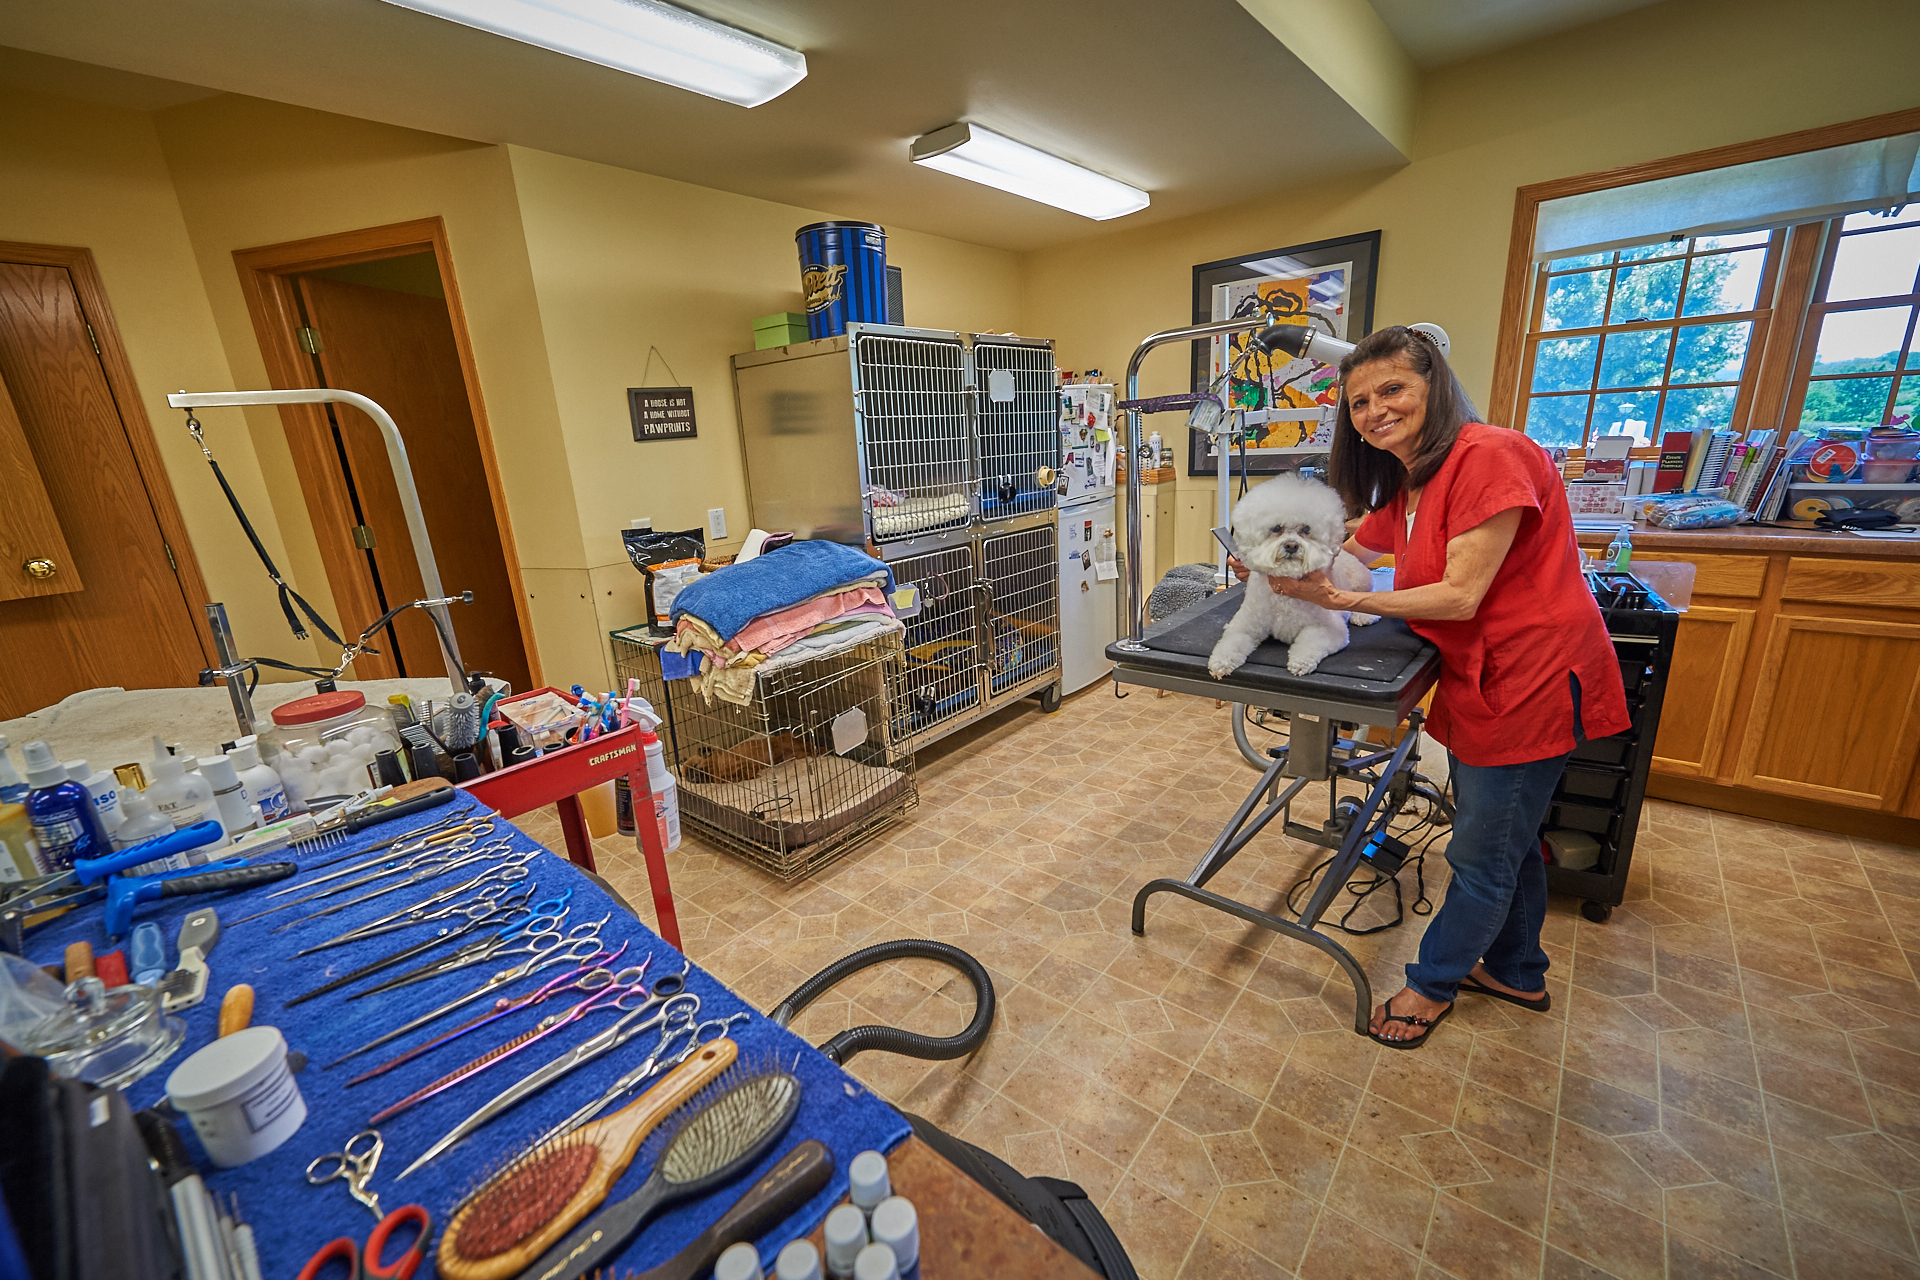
[
  {"x": 1836, "y": 711},
  {"x": 1702, "y": 689}
]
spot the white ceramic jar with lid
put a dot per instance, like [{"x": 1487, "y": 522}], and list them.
[{"x": 241, "y": 1097}]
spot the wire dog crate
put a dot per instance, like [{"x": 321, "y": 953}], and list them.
[
  {"x": 813, "y": 767},
  {"x": 1023, "y": 607},
  {"x": 943, "y": 640},
  {"x": 1019, "y": 416},
  {"x": 917, "y": 470}
]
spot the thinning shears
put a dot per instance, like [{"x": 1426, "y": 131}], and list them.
[
  {"x": 654, "y": 1063},
  {"x": 428, "y": 866},
  {"x": 492, "y": 884},
  {"x": 355, "y": 1164}
]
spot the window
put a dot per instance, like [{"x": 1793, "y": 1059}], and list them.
[
  {"x": 1859, "y": 363},
  {"x": 1655, "y": 338}
]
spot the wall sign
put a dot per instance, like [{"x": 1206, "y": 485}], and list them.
[{"x": 661, "y": 413}]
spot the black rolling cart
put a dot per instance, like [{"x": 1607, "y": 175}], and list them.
[{"x": 1606, "y": 779}]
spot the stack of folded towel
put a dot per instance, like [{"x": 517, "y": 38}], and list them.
[{"x": 803, "y": 601}]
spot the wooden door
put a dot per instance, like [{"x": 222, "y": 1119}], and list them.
[
  {"x": 1708, "y": 656},
  {"x": 398, "y": 349},
  {"x": 1836, "y": 716},
  {"x": 124, "y": 617}
]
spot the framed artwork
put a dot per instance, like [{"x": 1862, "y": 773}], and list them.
[{"x": 1289, "y": 403}]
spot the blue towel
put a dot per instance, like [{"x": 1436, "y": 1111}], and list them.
[
  {"x": 728, "y": 599},
  {"x": 291, "y": 1219}
]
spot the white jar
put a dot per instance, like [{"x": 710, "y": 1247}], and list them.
[
  {"x": 325, "y": 743},
  {"x": 241, "y": 1097},
  {"x": 228, "y": 795}
]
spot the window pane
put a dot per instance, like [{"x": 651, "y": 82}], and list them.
[
  {"x": 1702, "y": 408},
  {"x": 1625, "y": 416},
  {"x": 1711, "y": 352},
  {"x": 1848, "y": 400},
  {"x": 1557, "y": 420},
  {"x": 1724, "y": 282},
  {"x": 1853, "y": 341},
  {"x": 1731, "y": 241},
  {"x": 1564, "y": 364},
  {"x": 1587, "y": 260},
  {"x": 1855, "y": 221},
  {"x": 1647, "y": 292},
  {"x": 1577, "y": 301},
  {"x": 1635, "y": 359},
  {"x": 1665, "y": 249},
  {"x": 1876, "y": 265}
]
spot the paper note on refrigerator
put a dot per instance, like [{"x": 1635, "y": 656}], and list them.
[{"x": 1106, "y": 560}]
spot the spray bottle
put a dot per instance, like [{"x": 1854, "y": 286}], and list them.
[
  {"x": 666, "y": 791},
  {"x": 61, "y": 812}
]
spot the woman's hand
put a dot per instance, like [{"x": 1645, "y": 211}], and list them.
[
  {"x": 1316, "y": 588},
  {"x": 1240, "y": 571}
]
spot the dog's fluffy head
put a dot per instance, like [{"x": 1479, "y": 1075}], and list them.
[{"x": 1289, "y": 527}]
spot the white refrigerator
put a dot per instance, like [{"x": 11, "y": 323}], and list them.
[{"x": 1089, "y": 541}]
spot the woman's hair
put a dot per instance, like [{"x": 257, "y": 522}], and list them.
[{"x": 1368, "y": 477}]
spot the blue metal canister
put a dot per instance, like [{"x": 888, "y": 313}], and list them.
[{"x": 843, "y": 272}]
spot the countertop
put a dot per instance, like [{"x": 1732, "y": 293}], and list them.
[{"x": 1789, "y": 537}]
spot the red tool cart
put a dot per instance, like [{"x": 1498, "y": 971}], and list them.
[{"x": 558, "y": 778}]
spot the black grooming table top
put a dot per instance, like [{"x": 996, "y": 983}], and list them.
[{"x": 1384, "y": 668}]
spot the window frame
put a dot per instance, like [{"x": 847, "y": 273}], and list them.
[{"x": 1816, "y": 311}]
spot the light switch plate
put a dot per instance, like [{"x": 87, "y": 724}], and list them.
[{"x": 716, "y": 522}]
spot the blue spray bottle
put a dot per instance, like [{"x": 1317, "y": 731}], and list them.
[{"x": 60, "y": 810}]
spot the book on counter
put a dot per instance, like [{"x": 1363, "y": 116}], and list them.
[{"x": 1675, "y": 446}]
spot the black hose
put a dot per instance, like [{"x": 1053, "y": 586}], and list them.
[{"x": 845, "y": 1045}]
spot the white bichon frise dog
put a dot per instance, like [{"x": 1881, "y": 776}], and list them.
[{"x": 1288, "y": 528}]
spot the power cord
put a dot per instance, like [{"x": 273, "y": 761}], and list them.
[{"x": 1361, "y": 890}]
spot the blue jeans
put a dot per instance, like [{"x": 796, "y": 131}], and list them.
[{"x": 1498, "y": 899}]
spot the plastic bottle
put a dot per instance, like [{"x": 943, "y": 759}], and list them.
[
  {"x": 1620, "y": 550},
  {"x": 19, "y": 851},
  {"x": 897, "y": 1226},
  {"x": 12, "y": 789},
  {"x": 104, "y": 790},
  {"x": 666, "y": 792},
  {"x": 799, "y": 1260},
  {"x": 182, "y": 798},
  {"x": 740, "y": 1262},
  {"x": 61, "y": 812},
  {"x": 261, "y": 783},
  {"x": 141, "y": 821},
  {"x": 228, "y": 795}
]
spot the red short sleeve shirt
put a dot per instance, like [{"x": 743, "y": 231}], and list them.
[{"x": 1504, "y": 696}]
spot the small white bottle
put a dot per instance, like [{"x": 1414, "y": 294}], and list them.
[
  {"x": 262, "y": 784},
  {"x": 869, "y": 1183},
  {"x": 666, "y": 792},
  {"x": 876, "y": 1262},
  {"x": 141, "y": 821},
  {"x": 183, "y": 798},
  {"x": 104, "y": 790},
  {"x": 741, "y": 1261},
  {"x": 846, "y": 1236},
  {"x": 897, "y": 1226},
  {"x": 228, "y": 795},
  {"x": 13, "y": 788},
  {"x": 798, "y": 1261}
]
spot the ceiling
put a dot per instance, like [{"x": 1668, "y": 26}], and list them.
[
  {"x": 1195, "y": 102},
  {"x": 1436, "y": 32}
]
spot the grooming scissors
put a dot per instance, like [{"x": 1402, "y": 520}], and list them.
[
  {"x": 457, "y": 818},
  {"x": 681, "y": 1008},
  {"x": 428, "y": 867},
  {"x": 604, "y": 989},
  {"x": 493, "y": 883},
  {"x": 405, "y": 860},
  {"x": 356, "y": 1164},
  {"x": 546, "y": 950},
  {"x": 654, "y": 1063}
]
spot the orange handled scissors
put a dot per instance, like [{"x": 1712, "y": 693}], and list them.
[{"x": 367, "y": 1266}]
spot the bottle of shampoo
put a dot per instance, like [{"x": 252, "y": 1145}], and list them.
[
  {"x": 228, "y": 794},
  {"x": 61, "y": 812},
  {"x": 143, "y": 822},
  {"x": 259, "y": 780},
  {"x": 182, "y": 798},
  {"x": 12, "y": 789},
  {"x": 104, "y": 790}
]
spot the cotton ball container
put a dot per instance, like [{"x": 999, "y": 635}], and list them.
[{"x": 313, "y": 756}]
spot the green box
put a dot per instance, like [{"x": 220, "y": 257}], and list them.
[
  {"x": 779, "y": 335},
  {"x": 780, "y": 320}
]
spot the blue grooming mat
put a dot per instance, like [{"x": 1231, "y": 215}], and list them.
[{"x": 291, "y": 1220}]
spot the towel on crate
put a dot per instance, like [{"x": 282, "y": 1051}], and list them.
[
  {"x": 729, "y": 598},
  {"x": 773, "y": 632}
]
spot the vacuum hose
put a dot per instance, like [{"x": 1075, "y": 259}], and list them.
[{"x": 843, "y": 1046}]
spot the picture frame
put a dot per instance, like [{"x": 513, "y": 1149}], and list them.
[{"x": 1328, "y": 283}]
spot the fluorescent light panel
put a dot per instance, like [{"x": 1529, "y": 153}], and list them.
[
  {"x": 643, "y": 37},
  {"x": 991, "y": 159}
]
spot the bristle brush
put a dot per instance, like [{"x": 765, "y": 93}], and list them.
[
  {"x": 708, "y": 1143},
  {"x": 516, "y": 1213}
]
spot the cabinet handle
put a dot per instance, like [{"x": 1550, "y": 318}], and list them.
[{"x": 40, "y": 567}]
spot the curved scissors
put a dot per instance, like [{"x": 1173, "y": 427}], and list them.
[
  {"x": 426, "y": 868},
  {"x": 356, "y": 1164},
  {"x": 654, "y": 1063},
  {"x": 503, "y": 875}
]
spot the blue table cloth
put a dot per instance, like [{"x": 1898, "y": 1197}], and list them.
[{"x": 291, "y": 1219}]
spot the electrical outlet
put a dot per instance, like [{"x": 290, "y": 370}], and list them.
[{"x": 716, "y": 522}]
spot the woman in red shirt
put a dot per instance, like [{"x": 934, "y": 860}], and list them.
[{"x": 1486, "y": 568}]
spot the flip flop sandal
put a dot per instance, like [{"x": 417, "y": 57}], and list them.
[
  {"x": 1544, "y": 1003},
  {"x": 1411, "y": 1020}
]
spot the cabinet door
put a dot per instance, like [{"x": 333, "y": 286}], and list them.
[
  {"x": 1708, "y": 657},
  {"x": 1836, "y": 716}
]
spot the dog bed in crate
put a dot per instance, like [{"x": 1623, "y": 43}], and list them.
[{"x": 787, "y": 813}]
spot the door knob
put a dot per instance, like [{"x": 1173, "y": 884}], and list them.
[{"x": 40, "y": 567}]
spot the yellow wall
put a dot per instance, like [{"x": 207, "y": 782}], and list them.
[
  {"x": 76, "y": 173},
  {"x": 1652, "y": 83}
]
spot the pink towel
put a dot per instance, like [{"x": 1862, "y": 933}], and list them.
[{"x": 772, "y": 632}]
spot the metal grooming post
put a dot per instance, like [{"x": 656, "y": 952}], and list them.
[
  {"x": 402, "y": 476},
  {"x": 233, "y": 668}
]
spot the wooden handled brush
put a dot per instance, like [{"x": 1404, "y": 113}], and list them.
[{"x": 517, "y": 1214}]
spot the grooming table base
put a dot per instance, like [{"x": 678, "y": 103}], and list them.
[{"x": 1378, "y": 679}]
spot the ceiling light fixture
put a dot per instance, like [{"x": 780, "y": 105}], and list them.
[
  {"x": 980, "y": 155},
  {"x": 644, "y": 37}
]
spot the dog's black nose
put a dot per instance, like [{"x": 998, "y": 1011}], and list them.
[{"x": 1291, "y": 548}]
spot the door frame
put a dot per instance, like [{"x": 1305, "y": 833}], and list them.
[
  {"x": 266, "y": 279},
  {"x": 97, "y": 313}
]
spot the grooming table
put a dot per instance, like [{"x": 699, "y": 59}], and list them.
[{"x": 1378, "y": 679}]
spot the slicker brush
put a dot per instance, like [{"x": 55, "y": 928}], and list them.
[
  {"x": 705, "y": 1145},
  {"x": 530, "y": 1201}
]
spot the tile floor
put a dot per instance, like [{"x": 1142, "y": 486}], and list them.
[{"x": 1728, "y": 1084}]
